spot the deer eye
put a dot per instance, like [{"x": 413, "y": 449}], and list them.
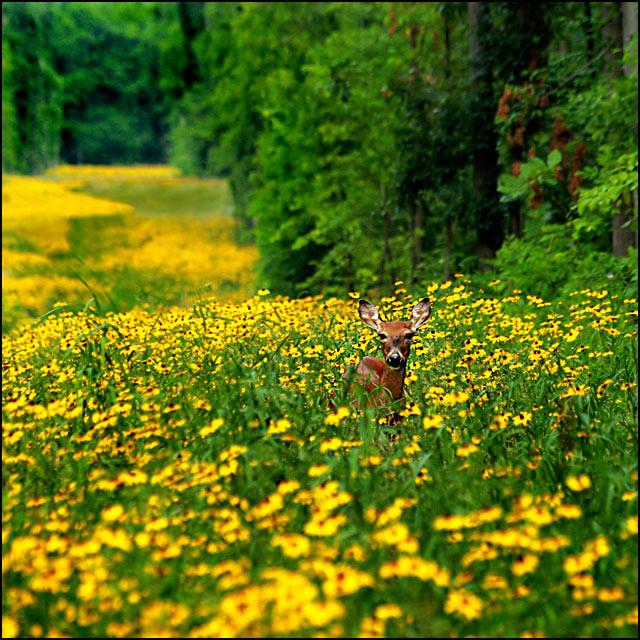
[
  {"x": 409, "y": 336},
  {"x": 382, "y": 336}
]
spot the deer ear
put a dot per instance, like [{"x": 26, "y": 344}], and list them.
[
  {"x": 420, "y": 314},
  {"x": 369, "y": 315}
]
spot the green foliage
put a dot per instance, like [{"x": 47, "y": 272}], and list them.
[
  {"x": 324, "y": 160},
  {"x": 33, "y": 100},
  {"x": 9, "y": 119},
  {"x": 533, "y": 171},
  {"x": 362, "y": 141},
  {"x": 613, "y": 179},
  {"x": 353, "y": 149},
  {"x": 583, "y": 112},
  {"x": 554, "y": 262},
  {"x": 83, "y": 83}
]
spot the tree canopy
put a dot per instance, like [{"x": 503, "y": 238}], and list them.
[{"x": 364, "y": 142}]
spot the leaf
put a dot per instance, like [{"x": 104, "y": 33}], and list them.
[
  {"x": 554, "y": 158},
  {"x": 509, "y": 184}
]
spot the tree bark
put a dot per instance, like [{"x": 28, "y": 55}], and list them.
[
  {"x": 531, "y": 38},
  {"x": 629, "y": 30},
  {"x": 448, "y": 241},
  {"x": 620, "y": 25},
  {"x": 191, "y": 16},
  {"x": 487, "y": 210}
]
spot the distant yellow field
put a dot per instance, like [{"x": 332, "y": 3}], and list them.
[
  {"x": 60, "y": 245},
  {"x": 160, "y": 174},
  {"x": 114, "y": 172}
]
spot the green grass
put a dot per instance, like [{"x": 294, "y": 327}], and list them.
[{"x": 201, "y": 198}]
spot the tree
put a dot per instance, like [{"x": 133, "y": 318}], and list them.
[
  {"x": 486, "y": 208},
  {"x": 9, "y": 122},
  {"x": 83, "y": 83},
  {"x": 619, "y": 29},
  {"x": 35, "y": 88}
]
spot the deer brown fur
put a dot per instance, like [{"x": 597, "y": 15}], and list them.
[{"x": 383, "y": 380}]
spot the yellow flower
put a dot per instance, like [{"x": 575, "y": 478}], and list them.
[
  {"x": 142, "y": 539},
  {"x": 422, "y": 476},
  {"x": 279, "y": 427},
  {"x": 317, "y": 470},
  {"x": 334, "y": 419},
  {"x": 332, "y": 444},
  {"x": 449, "y": 523},
  {"x": 354, "y": 552},
  {"x": 582, "y": 580},
  {"x": 386, "y": 611},
  {"x": 613, "y": 594},
  {"x": 292, "y": 545},
  {"x": 113, "y": 513},
  {"x": 10, "y": 627},
  {"x": 573, "y": 333},
  {"x": 288, "y": 486},
  {"x": 599, "y": 546},
  {"x": 212, "y": 427},
  {"x": 157, "y": 524},
  {"x": 414, "y": 566},
  {"x": 466, "y": 451},
  {"x": 526, "y": 564},
  {"x": 570, "y": 511},
  {"x": 325, "y": 527},
  {"x": 344, "y": 580},
  {"x": 432, "y": 422},
  {"x": 118, "y": 538},
  {"x": 576, "y": 564},
  {"x": 538, "y": 514},
  {"x": 464, "y": 604},
  {"x": 522, "y": 418},
  {"x": 321, "y": 613},
  {"x": 131, "y": 478},
  {"x": 494, "y": 581},
  {"x": 578, "y": 483}
]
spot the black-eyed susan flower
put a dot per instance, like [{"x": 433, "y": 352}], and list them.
[
  {"x": 578, "y": 483},
  {"x": 464, "y": 604}
]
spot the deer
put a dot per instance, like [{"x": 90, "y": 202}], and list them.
[{"x": 383, "y": 380}]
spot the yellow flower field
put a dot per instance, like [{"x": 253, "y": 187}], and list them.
[
  {"x": 180, "y": 472},
  {"x": 64, "y": 246},
  {"x": 116, "y": 173}
]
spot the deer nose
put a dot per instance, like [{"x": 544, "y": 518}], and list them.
[{"x": 395, "y": 360}]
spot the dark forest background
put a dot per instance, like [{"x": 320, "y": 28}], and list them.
[{"x": 364, "y": 142}]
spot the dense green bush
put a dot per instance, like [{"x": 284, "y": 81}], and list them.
[{"x": 554, "y": 264}]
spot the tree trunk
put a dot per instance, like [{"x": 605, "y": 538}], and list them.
[
  {"x": 485, "y": 205},
  {"x": 531, "y": 38},
  {"x": 191, "y": 16},
  {"x": 448, "y": 241},
  {"x": 447, "y": 270},
  {"x": 620, "y": 25},
  {"x": 629, "y": 30},
  {"x": 516, "y": 215},
  {"x": 588, "y": 29}
]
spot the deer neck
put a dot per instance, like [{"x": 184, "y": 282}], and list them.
[{"x": 393, "y": 379}]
